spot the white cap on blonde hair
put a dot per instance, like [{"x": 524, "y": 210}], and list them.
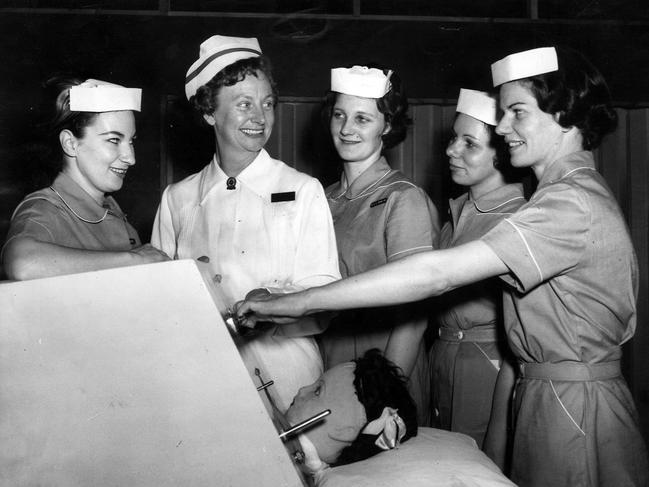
[
  {"x": 524, "y": 64},
  {"x": 479, "y": 105},
  {"x": 361, "y": 81},
  {"x": 216, "y": 53},
  {"x": 94, "y": 95}
]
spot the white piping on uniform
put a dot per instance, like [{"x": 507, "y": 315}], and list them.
[
  {"x": 565, "y": 410},
  {"x": 527, "y": 247},
  {"x": 577, "y": 169},
  {"x": 498, "y": 206},
  {"x": 75, "y": 213},
  {"x": 422, "y": 247}
]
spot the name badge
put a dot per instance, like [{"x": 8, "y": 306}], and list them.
[
  {"x": 279, "y": 197},
  {"x": 378, "y": 202}
]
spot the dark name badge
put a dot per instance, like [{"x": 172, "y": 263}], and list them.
[
  {"x": 378, "y": 202},
  {"x": 279, "y": 197}
]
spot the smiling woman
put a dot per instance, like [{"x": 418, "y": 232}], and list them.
[
  {"x": 259, "y": 222},
  {"x": 379, "y": 216},
  {"x": 73, "y": 226}
]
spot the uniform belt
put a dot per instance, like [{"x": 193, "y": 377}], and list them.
[
  {"x": 478, "y": 334},
  {"x": 570, "y": 371}
]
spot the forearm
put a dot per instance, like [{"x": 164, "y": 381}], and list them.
[
  {"x": 27, "y": 258},
  {"x": 497, "y": 437},
  {"x": 406, "y": 337},
  {"x": 412, "y": 278}
]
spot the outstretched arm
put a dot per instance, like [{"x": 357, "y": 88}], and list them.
[
  {"x": 28, "y": 258},
  {"x": 412, "y": 278}
]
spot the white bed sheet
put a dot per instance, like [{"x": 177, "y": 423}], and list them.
[{"x": 432, "y": 458}]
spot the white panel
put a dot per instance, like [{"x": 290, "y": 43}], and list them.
[{"x": 128, "y": 377}]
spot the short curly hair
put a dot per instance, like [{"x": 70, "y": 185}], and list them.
[
  {"x": 205, "y": 99},
  {"x": 393, "y": 105},
  {"x": 379, "y": 384},
  {"x": 578, "y": 93}
]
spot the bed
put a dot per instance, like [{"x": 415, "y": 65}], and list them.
[{"x": 432, "y": 458}]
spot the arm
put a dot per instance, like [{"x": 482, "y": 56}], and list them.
[
  {"x": 28, "y": 258},
  {"x": 496, "y": 442},
  {"x": 412, "y": 278},
  {"x": 403, "y": 345}
]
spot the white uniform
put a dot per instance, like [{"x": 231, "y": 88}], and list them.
[{"x": 272, "y": 230}]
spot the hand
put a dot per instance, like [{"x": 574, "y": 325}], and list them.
[
  {"x": 260, "y": 305},
  {"x": 147, "y": 253}
]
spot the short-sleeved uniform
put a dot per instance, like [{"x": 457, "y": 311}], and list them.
[
  {"x": 64, "y": 214},
  {"x": 272, "y": 229},
  {"x": 381, "y": 217},
  {"x": 466, "y": 357},
  {"x": 571, "y": 305}
]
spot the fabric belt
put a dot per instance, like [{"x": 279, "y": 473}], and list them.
[
  {"x": 478, "y": 334},
  {"x": 570, "y": 371}
]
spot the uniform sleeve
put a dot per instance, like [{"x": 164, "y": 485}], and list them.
[
  {"x": 412, "y": 224},
  {"x": 544, "y": 238},
  {"x": 36, "y": 219},
  {"x": 163, "y": 235},
  {"x": 316, "y": 259}
]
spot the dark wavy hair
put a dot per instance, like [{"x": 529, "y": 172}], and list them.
[
  {"x": 205, "y": 99},
  {"x": 379, "y": 384},
  {"x": 56, "y": 116},
  {"x": 578, "y": 93},
  {"x": 393, "y": 105}
]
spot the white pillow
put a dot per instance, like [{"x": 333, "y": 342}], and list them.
[{"x": 432, "y": 458}]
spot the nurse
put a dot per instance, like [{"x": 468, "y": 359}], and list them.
[
  {"x": 259, "y": 222},
  {"x": 379, "y": 216},
  {"x": 572, "y": 273},
  {"x": 471, "y": 348},
  {"x": 74, "y": 225}
]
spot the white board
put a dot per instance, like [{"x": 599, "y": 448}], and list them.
[{"x": 129, "y": 377}]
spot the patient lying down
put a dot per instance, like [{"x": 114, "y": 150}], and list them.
[{"x": 371, "y": 411}]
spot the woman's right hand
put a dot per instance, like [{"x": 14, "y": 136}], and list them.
[
  {"x": 147, "y": 253},
  {"x": 276, "y": 308}
]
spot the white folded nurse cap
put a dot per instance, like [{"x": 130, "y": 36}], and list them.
[
  {"x": 216, "y": 53},
  {"x": 524, "y": 64},
  {"x": 479, "y": 105},
  {"x": 361, "y": 81},
  {"x": 94, "y": 95}
]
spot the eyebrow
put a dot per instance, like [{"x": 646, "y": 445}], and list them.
[{"x": 117, "y": 133}]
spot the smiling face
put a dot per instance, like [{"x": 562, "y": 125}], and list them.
[
  {"x": 334, "y": 390},
  {"x": 534, "y": 137},
  {"x": 244, "y": 117},
  {"x": 98, "y": 161},
  {"x": 356, "y": 128},
  {"x": 471, "y": 157}
]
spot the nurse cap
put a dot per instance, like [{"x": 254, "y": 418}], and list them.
[
  {"x": 216, "y": 53},
  {"x": 478, "y": 104},
  {"x": 94, "y": 95},
  {"x": 361, "y": 81},
  {"x": 524, "y": 64}
]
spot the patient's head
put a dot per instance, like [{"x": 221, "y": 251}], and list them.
[{"x": 356, "y": 393}]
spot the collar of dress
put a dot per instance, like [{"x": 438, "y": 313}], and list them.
[
  {"x": 255, "y": 176},
  {"x": 365, "y": 183},
  {"x": 80, "y": 203}
]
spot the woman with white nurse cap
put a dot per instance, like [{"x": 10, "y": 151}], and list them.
[
  {"x": 471, "y": 351},
  {"x": 259, "y": 222},
  {"x": 379, "y": 216},
  {"x": 74, "y": 225},
  {"x": 572, "y": 273}
]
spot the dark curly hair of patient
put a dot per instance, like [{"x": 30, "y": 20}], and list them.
[{"x": 379, "y": 384}]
